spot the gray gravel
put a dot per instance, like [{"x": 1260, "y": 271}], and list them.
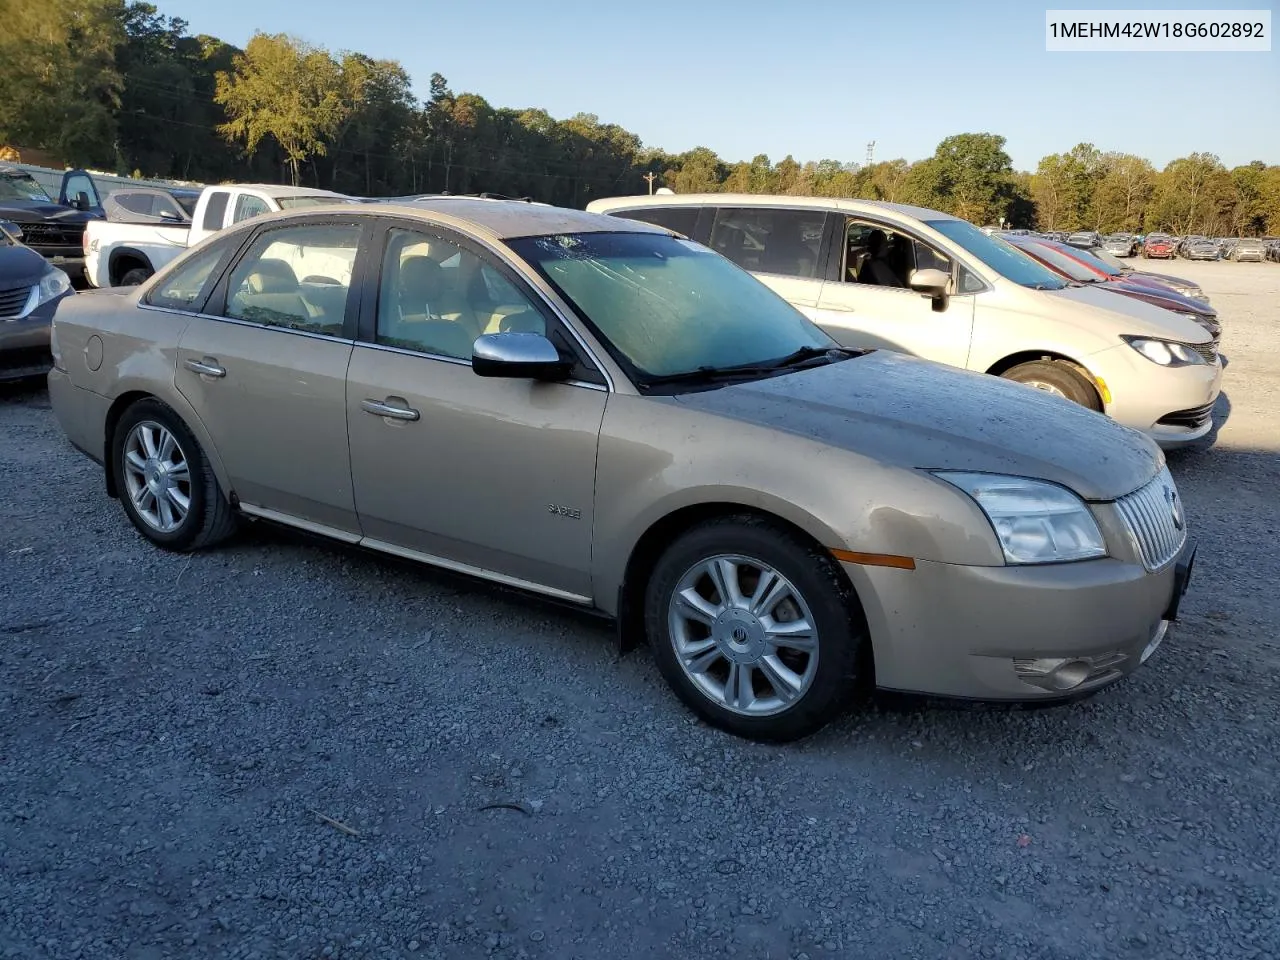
[{"x": 173, "y": 733}]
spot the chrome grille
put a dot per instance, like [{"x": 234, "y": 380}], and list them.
[
  {"x": 1156, "y": 520},
  {"x": 1207, "y": 350},
  {"x": 13, "y": 300}
]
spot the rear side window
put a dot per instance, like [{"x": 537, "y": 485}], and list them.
[
  {"x": 765, "y": 240},
  {"x": 215, "y": 210},
  {"x": 296, "y": 277},
  {"x": 247, "y": 205},
  {"x": 680, "y": 219},
  {"x": 186, "y": 287}
]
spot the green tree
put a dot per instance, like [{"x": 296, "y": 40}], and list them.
[
  {"x": 971, "y": 176},
  {"x": 285, "y": 89},
  {"x": 1123, "y": 192},
  {"x": 60, "y": 89},
  {"x": 1190, "y": 195}
]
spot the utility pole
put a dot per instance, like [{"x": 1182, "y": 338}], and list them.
[
  {"x": 871, "y": 151},
  {"x": 650, "y": 177}
]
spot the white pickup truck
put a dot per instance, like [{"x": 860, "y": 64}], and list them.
[{"x": 146, "y": 227}]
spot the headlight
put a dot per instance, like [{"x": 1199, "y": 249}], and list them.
[
  {"x": 1035, "y": 521},
  {"x": 52, "y": 285},
  {"x": 1167, "y": 353}
]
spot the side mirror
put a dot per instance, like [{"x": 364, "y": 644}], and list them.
[
  {"x": 529, "y": 356},
  {"x": 11, "y": 230},
  {"x": 933, "y": 284},
  {"x": 81, "y": 202},
  {"x": 170, "y": 215}
]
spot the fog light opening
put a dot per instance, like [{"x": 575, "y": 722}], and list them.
[{"x": 1069, "y": 674}]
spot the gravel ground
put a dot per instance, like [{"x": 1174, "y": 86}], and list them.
[{"x": 174, "y": 733}]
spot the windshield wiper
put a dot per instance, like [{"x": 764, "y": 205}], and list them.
[{"x": 798, "y": 359}]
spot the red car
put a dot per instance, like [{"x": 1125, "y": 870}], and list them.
[{"x": 1158, "y": 248}]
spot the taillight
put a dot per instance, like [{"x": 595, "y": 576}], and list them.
[{"x": 53, "y": 343}]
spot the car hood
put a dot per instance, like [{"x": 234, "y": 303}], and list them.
[
  {"x": 917, "y": 414},
  {"x": 20, "y": 267},
  {"x": 1162, "y": 296},
  {"x": 1136, "y": 317},
  {"x": 38, "y": 211}
]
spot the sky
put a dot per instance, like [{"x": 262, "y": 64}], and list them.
[{"x": 815, "y": 79}]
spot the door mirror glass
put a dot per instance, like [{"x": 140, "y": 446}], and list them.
[{"x": 522, "y": 355}]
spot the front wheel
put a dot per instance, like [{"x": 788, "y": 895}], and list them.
[
  {"x": 164, "y": 480},
  {"x": 1059, "y": 378},
  {"x": 755, "y": 628}
]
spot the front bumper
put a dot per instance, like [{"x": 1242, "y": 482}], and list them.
[
  {"x": 1171, "y": 405},
  {"x": 24, "y": 344},
  {"x": 1016, "y": 633}
]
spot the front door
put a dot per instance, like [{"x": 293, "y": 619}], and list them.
[
  {"x": 269, "y": 379},
  {"x": 872, "y": 306},
  {"x": 492, "y": 476}
]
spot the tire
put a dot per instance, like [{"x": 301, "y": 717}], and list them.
[
  {"x": 1057, "y": 377},
  {"x": 812, "y": 587},
  {"x": 135, "y": 276},
  {"x": 140, "y": 435}
]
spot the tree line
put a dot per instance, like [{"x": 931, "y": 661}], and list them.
[{"x": 117, "y": 84}]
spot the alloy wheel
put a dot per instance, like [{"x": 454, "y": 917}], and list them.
[{"x": 157, "y": 476}]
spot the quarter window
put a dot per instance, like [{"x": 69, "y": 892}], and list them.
[
  {"x": 765, "y": 240},
  {"x": 296, "y": 277},
  {"x": 437, "y": 297},
  {"x": 247, "y": 205},
  {"x": 186, "y": 286}
]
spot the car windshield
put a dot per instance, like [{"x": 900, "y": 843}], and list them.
[
  {"x": 298, "y": 203},
  {"x": 16, "y": 185},
  {"x": 666, "y": 306},
  {"x": 1000, "y": 255},
  {"x": 1062, "y": 263},
  {"x": 1094, "y": 262},
  {"x": 1116, "y": 265}
]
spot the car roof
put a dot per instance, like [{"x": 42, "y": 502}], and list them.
[
  {"x": 499, "y": 219},
  {"x": 276, "y": 189},
  {"x": 769, "y": 200}
]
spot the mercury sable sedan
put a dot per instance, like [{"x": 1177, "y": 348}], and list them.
[{"x": 605, "y": 413}]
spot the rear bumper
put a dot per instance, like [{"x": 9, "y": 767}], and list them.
[{"x": 1014, "y": 633}]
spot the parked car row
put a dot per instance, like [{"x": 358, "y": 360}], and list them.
[{"x": 600, "y": 410}]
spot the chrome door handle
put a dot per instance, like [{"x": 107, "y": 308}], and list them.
[
  {"x": 380, "y": 408},
  {"x": 205, "y": 368}
]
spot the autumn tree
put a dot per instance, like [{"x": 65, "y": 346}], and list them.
[
  {"x": 1123, "y": 192},
  {"x": 287, "y": 90}
]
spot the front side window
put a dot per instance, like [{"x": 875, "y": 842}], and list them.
[
  {"x": 667, "y": 307},
  {"x": 215, "y": 210},
  {"x": 765, "y": 240},
  {"x": 680, "y": 219},
  {"x": 81, "y": 184},
  {"x": 437, "y": 297},
  {"x": 247, "y": 205},
  {"x": 186, "y": 286},
  {"x": 877, "y": 255},
  {"x": 296, "y": 277},
  {"x": 1000, "y": 255}
]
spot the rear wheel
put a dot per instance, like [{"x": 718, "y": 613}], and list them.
[
  {"x": 1059, "y": 378},
  {"x": 134, "y": 276},
  {"x": 166, "y": 485},
  {"x": 755, "y": 628}
]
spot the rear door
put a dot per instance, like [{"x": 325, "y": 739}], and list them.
[
  {"x": 265, "y": 368},
  {"x": 783, "y": 247},
  {"x": 493, "y": 476}
]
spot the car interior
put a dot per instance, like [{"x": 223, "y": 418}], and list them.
[
  {"x": 880, "y": 257},
  {"x": 266, "y": 288},
  {"x": 438, "y": 298},
  {"x": 770, "y": 241}
]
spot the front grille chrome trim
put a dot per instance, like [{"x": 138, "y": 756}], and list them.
[{"x": 1156, "y": 521}]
